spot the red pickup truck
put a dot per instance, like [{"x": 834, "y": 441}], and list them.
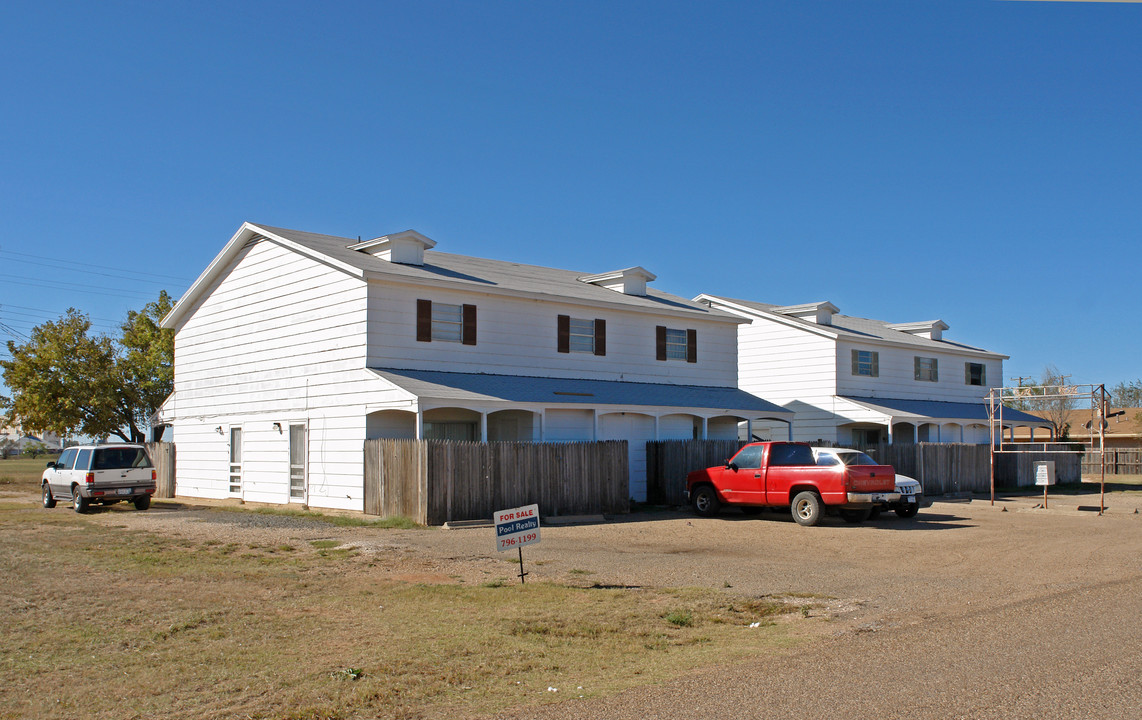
[{"x": 785, "y": 474}]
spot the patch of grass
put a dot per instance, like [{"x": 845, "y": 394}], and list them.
[
  {"x": 324, "y": 544},
  {"x": 398, "y": 522},
  {"x": 680, "y": 618},
  {"x": 23, "y": 473},
  {"x": 234, "y": 630}
]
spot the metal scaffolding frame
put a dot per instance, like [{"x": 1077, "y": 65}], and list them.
[{"x": 1099, "y": 403}]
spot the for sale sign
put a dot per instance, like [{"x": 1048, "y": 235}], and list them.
[{"x": 516, "y": 527}]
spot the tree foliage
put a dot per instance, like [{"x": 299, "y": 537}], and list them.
[
  {"x": 1127, "y": 394},
  {"x": 1052, "y": 400},
  {"x": 68, "y": 381}
]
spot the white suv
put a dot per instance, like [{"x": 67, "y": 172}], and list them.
[{"x": 100, "y": 474}]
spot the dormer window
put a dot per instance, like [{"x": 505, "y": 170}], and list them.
[
  {"x": 406, "y": 248},
  {"x": 631, "y": 281},
  {"x": 931, "y": 329},
  {"x": 820, "y": 313}
]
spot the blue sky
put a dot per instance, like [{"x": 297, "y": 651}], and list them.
[{"x": 974, "y": 161}]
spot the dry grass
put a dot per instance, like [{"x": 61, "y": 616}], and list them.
[
  {"x": 22, "y": 473},
  {"x": 101, "y": 622}
]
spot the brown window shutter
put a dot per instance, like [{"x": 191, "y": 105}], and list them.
[
  {"x": 563, "y": 333},
  {"x": 660, "y": 342},
  {"x": 424, "y": 320},
  {"x": 600, "y": 337},
  {"x": 856, "y": 363},
  {"x": 469, "y": 324},
  {"x": 692, "y": 346}
]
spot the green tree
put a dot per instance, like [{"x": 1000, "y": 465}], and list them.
[
  {"x": 1127, "y": 394},
  {"x": 69, "y": 381}
]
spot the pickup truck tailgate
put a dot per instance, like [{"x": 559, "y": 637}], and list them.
[{"x": 871, "y": 478}]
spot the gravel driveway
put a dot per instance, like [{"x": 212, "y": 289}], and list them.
[{"x": 968, "y": 611}]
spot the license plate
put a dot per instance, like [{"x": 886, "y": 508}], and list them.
[
  {"x": 911, "y": 498},
  {"x": 124, "y": 491}
]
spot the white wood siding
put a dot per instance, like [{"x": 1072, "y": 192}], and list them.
[
  {"x": 783, "y": 364},
  {"x": 280, "y": 339},
  {"x": 518, "y": 337},
  {"x": 897, "y": 374}
]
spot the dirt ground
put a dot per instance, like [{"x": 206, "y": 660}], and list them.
[{"x": 969, "y": 610}]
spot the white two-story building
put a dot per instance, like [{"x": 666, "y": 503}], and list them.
[
  {"x": 858, "y": 381},
  {"x": 292, "y": 348}
]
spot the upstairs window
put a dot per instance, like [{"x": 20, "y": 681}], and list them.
[
  {"x": 673, "y": 344},
  {"x": 441, "y": 322},
  {"x": 576, "y": 335},
  {"x": 975, "y": 374},
  {"x": 925, "y": 369},
  {"x": 866, "y": 362}
]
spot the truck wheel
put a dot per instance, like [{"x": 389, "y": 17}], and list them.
[
  {"x": 807, "y": 508},
  {"x": 78, "y": 502},
  {"x": 49, "y": 501},
  {"x": 855, "y": 516},
  {"x": 142, "y": 502},
  {"x": 874, "y": 513},
  {"x": 705, "y": 501},
  {"x": 909, "y": 510}
]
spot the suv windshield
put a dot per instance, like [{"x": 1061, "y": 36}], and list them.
[{"x": 118, "y": 458}]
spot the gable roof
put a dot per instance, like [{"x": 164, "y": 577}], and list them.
[
  {"x": 854, "y": 329},
  {"x": 445, "y": 270}
]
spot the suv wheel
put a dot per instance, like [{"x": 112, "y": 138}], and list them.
[
  {"x": 142, "y": 502},
  {"x": 78, "y": 502},
  {"x": 49, "y": 500}
]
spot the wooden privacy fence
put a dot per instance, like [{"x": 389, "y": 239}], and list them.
[
  {"x": 941, "y": 468},
  {"x": 669, "y": 461},
  {"x": 438, "y": 481},
  {"x": 163, "y": 456},
  {"x": 1118, "y": 462}
]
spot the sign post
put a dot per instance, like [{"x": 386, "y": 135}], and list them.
[
  {"x": 515, "y": 528},
  {"x": 1045, "y": 476}
]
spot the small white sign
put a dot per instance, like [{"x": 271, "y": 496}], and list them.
[
  {"x": 516, "y": 527},
  {"x": 1045, "y": 472}
]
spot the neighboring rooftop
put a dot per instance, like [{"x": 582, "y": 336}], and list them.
[{"x": 827, "y": 319}]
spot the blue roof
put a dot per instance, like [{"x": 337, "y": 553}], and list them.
[
  {"x": 476, "y": 387},
  {"x": 935, "y": 409}
]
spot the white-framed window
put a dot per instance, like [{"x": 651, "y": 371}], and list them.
[
  {"x": 926, "y": 369},
  {"x": 866, "y": 363},
  {"x": 975, "y": 374},
  {"x": 676, "y": 344},
  {"x": 581, "y": 337},
  {"x": 447, "y": 322},
  {"x": 235, "y": 461},
  {"x": 297, "y": 462}
]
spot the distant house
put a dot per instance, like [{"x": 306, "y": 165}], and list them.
[
  {"x": 293, "y": 348},
  {"x": 1123, "y": 429},
  {"x": 21, "y": 439},
  {"x": 860, "y": 381}
]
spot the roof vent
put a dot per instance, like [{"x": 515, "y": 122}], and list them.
[
  {"x": 631, "y": 281},
  {"x": 406, "y": 248},
  {"x": 820, "y": 313},
  {"x": 931, "y": 329}
]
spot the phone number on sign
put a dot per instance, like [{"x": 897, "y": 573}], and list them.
[{"x": 507, "y": 542}]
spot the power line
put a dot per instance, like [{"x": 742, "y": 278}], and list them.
[
  {"x": 4, "y": 305},
  {"x": 85, "y": 288},
  {"x": 86, "y": 267}
]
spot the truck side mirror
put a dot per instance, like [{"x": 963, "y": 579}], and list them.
[
  {"x": 731, "y": 466},
  {"x": 51, "y": 464}
]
